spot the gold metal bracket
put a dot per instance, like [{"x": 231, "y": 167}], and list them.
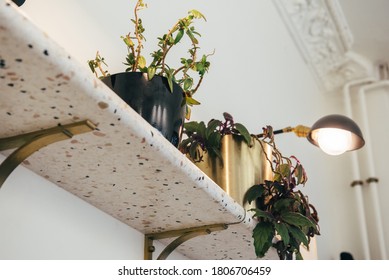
[
  {"x": 184, "y": 235},
  {"x": 31, "y": 142}
]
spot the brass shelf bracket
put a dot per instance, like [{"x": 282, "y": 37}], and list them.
[
  {"x": 183, "y": 236},
  {"x": 28, "y": 143}
]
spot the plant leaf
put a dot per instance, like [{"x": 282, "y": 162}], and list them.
[
  {"x": 211, "y": 127},
  {"x": 201, "y": 129},
  {"x": 192, "y": 37},
  {"x": 263, "y": 235},
  {"x": 296, "y": 219},
  {"x": 188, "y": 112},
  {"x": 213, "y": 140},
  {"x": 188, "y": 84},
  {"x": 262, "y": 214},
  {"x": 141, "y": 62},
  {"x": 253, "y": 193},
  {"x": 193, "y": 151},
  {"x": 170, "y": 81},
  {"x": 280, "y": 187},
  {"x": 127, "y": 40},
  {"x": 282, "y": 230},
  {"x": 299, "y": 256},
  {"x": 228, "y": 116},
  {"x": 300, "y": 174},
  {"x": 283, "y": 204},
  {"x": 284, "y": 169},
  {"x": 179, "y": 36},
  {"x": 191, "y": 101},
  {"x": 244, "y": 132},
  {"x": 151, "y": 72},
  {"x": 216, "y": 152},
  {"x": 91, "y": 65},
  {"x": 191, "y": 127},
  {"x": 197, "y": 14},
  {"x": 299, "y": 236}
]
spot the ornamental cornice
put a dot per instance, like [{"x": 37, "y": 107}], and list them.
[{"x": 323, "y": 37}]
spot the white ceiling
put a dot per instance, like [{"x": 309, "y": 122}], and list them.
[{"x": 369, "y": 25}]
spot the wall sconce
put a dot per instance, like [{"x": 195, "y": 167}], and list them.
[{"x": 334, "y": 134}]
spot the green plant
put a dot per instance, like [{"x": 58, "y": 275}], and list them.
[
  {"x": 285, "y": 217},
  {"x": 182, "y": 75},
  {"x": 283, "y": 211},
  {"x": 203, "y": 138}
]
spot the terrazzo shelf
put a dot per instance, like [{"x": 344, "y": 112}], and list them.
[{"x": 125, "y": 167}]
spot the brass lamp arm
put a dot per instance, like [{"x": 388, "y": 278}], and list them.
[{"x": 300, "y": 131}]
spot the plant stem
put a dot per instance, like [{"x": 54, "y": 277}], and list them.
[
  {"x": 139, "y": 47},
  {"x": 165, "y": 52},
  {"x": 101, "y": 70},
  {"x": 98, "y": 62},
  {"x": 161, "y": 61},
  {"x": 198, "y": 84}
]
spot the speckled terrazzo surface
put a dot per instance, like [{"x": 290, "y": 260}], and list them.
[{"x": 124, "y": 167}]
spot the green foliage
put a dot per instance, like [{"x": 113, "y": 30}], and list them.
[
  {"x": 207, "y": 138},
  {"x": 96, "y": 65},
  {"x": 263, "y": 235},
  {"x": 284, "y": 214},
  {"x": 286, "y": 220},
  {"x": 182, "y": 75}
]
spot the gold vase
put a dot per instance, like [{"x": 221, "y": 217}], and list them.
[{"x": 242, "y": 167}]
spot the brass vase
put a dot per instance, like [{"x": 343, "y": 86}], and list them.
[{"x": 242, "y": 167}]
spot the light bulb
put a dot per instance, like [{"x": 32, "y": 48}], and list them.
[{"x": 334, "y": 141}]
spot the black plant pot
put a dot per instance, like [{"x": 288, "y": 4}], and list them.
[
  {"x": 19, "y": 2},
  {"x": 153, "y": 100}
]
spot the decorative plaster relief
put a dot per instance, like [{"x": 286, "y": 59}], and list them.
[{"x": 321, "y": 33}]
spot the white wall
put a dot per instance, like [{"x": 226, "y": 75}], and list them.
[{"x": 257, "y": 75}]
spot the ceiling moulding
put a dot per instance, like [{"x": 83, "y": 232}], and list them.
[{"x": 321, "y": 33}]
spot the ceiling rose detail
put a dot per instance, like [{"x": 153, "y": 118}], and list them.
[{"x": 322, "y": 35}]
